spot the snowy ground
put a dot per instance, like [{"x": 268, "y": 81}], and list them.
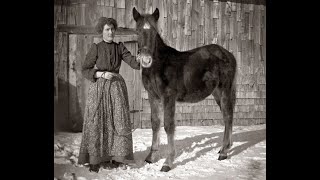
[{"x": 196, "y": 155}]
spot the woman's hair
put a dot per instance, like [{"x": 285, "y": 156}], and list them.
[{"x": 103, "y": 21}]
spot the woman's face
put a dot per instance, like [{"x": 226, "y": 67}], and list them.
[{"x": 108, "y": 32}]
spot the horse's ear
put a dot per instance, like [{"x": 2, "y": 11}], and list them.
[
  {"x": 155, "y": 14},
  {"x": 136, "y": 14}
]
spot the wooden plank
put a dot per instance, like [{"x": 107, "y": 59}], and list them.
[
  {"x": 233, "y": 6},
  {"x": 214, "y": 28},
  {"x": 178, "y": 39},
  {"x": 63, "y": 17},
  {"x": 250, "y": 49},
  {"x": 182, "y": 40},
  {"x": 141, "y": 6},
  {"x": 188, "y": 9},
  {"x": 257, "y": 25},
  {"x": 233, "y": 25},
  {"x": 251, "y": 18},
  {"x": 227, "y": 11},
  {"x": 251, "y": 7},
  {"x": 244, "y": 58},
  {"x": 130, "y": 22},
  {"x": 202, "y": 15},
  {"x": 165, "y": 30},
  {"x": 62, "y": 49},
  {"x": 73, "y": 101},
  {"x": 187, "y": 28},
  {"x": 121, "y": 4},
  {"x": 169, "y": 7},
  {"x": 239, "y": 5},
  {"x": 193, "y": 41},
  {"x": 71, "y": 18},
  {"x": 186, "y": 43},
  {"x": 121, "y": 19},
  {"x": 201, "y": 35},
  {"x": 149, "y": 6},
  {"x": 227, "y": 25},
  {"x": 114, "y": 13},
  {"x": 181, "y": 9},
  {"x": 246, "y": 8},
  {"x": 112, "y": 3},
  {"x": 195, "y": 5},
  {"x": 222, "y": 22},
  {"x": 56, "y": 63},
  {"x": 174, "y": 27},
  {"x": 165, "y": 10},
  {"x": 215, "y": 10},
  {"x": 226, "y": 44},
  {"x": 97, "y": 13},
  {"x": 155, "y": 4},
  {"x": 106, "y": 2},
  {"x": 207, "y": 19},
  {"x": 169, "y": 30},
  {"x": 82, "y": 84},
  {"x": 175, "y": 11},
  {"x": 107, "y": 11},
  {"x": 82, "y": 14},
  {"x": 246, "y": 23}
]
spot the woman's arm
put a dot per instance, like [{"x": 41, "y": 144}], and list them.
[
  {"x": 88, "y": 70},
  {"x": 128, "y": 57}
]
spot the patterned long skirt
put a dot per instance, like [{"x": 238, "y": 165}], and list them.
[{"x": 106, "y": 127}]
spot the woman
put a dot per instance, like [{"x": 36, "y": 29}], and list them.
[{"x": 106, "y": 131}]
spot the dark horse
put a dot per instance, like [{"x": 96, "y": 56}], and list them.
[{"x": 171, "y": 76}]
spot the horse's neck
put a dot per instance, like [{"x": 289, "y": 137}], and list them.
[{"x": 161, "y": 49}]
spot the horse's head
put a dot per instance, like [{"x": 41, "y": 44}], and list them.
[{"x": 146, "y": 27}]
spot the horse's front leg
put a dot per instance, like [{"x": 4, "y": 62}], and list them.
[
  {"x": 155, "y": 122},
  {"x": 169, "y": 126}
]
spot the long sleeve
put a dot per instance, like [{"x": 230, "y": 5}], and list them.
[
  {"x": 88, "y": 69},
  {"x": 128, "y": 57}
]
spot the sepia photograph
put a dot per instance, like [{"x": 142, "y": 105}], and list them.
[{"x": 159, "y": 89}]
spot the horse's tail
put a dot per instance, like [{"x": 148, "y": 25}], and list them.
[
  {"x": 234, "y": 81},
  {"x": 234, "y": 89}
]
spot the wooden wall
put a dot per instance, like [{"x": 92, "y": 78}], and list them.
[{"x": 237, "y": 25}]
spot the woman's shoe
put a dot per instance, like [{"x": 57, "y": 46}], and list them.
[
  {"x": 94, "y": 167},
  {"x": 120, "y": 165}
]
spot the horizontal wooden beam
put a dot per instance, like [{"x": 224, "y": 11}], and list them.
[
  {"x": 75, "y": 29},
  {"x": 122, "y": 34},
  {"x": 68, "y": 2},
  {"x": 255, "y": 2}
]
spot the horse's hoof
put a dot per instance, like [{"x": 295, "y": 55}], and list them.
[
  {"x": 148, "y": 161},
  {"x": 165, "y": 169},
  {"x": 219, "y": 151},
  {"x": 222, "y": 157}
]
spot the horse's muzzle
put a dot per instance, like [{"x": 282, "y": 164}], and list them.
[{"x": 145, "y": 60}]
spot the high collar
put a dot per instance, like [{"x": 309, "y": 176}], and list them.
[{"x": 107, "y": 42}]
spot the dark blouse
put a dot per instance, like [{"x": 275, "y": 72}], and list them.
[{"x": 107, "y": 57}]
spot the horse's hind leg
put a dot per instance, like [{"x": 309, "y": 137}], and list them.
[
  {"x": 155, "y": 121},
  {"x": 227, "y": 104}
]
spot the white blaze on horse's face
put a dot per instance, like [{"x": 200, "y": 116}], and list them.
[{"x": 146, "y": 25}]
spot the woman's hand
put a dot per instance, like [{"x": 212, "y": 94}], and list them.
[
  {"x": 138, "y": 57},
  {"x": 105, "y": 75},
  {"x": 108, "y": 75}
]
